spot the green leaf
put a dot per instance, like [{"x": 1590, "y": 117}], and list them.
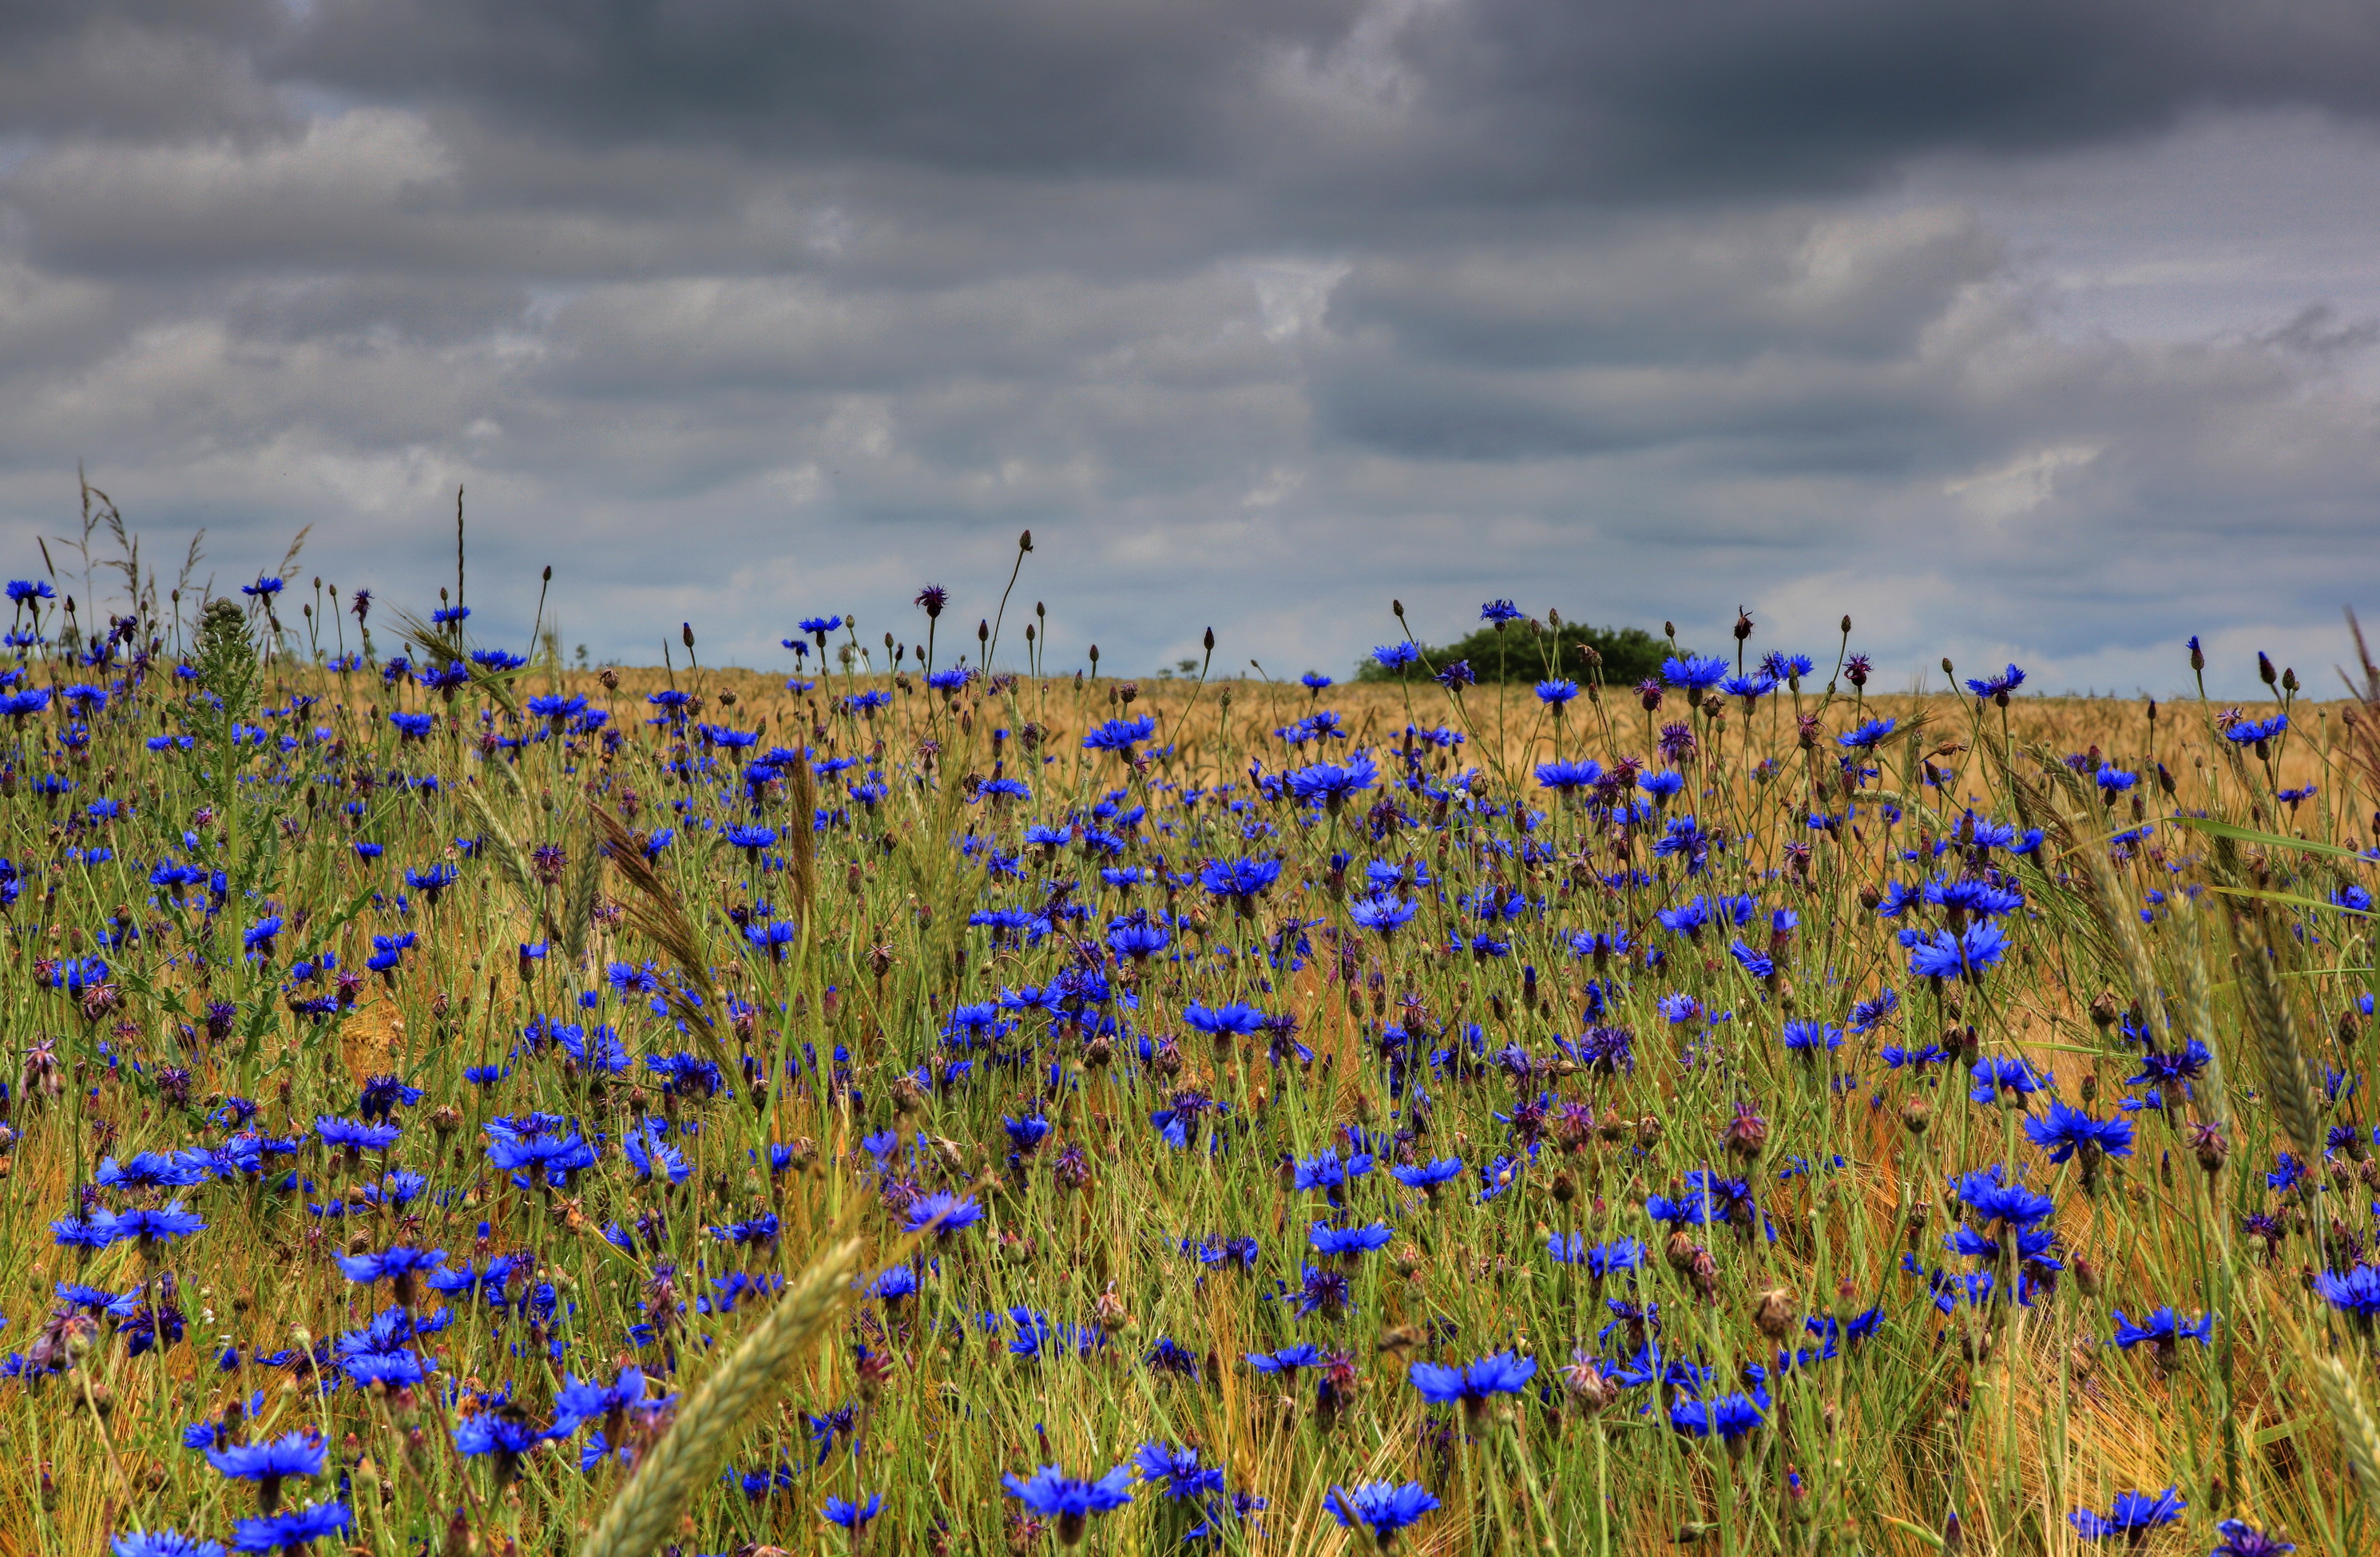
[
  {"x": 2291, "y": 898},
  {"x": 2272, "y": 841}
]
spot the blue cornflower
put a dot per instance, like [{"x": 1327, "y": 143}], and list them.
[
  {"x": 1289, "y": 1360},
  {"x": 1179, "y": 1470},
  {"x": 1999, "y": 686},
  {"x": 1998, "y": 1074},
  {"x": 1696, "y": 672},
  {"x": 268, "y": 1465},
  {"x": 1457, "y": 675},
  {"x": 291, "y": 1529},
  {"x": 1330, "y": 783},
  {"x": 1240, "y": 880},
  {"x": 648, "y": 1154},
  {"x": 945, "y": 1213},
  {"x": 1233, "y": 1020},
  {"x": 820, "y": 627},
  {"x": 1327, "y": 1240},
  {"x": 400, "y": 1266},
  {"x": 1500, "y": 1373},
  {"x": 588, "y": 1400},
  {"x": 1750, "y": 688},
  {"x": 2164, "y": 1330},
  {"x": 1386, "y": 1506},
  {"x": 1384, "y": 913},
  {"x": 24, "y": 590},
  {"x": 153, "y": 1226},
  {"x": 500, "y": 1435},
  {"x": 1811, "y": 1038},
  {"x": 2255, "y": 732},
  {"x": 1500, "y": 612},
  {"x": 162, "y": 1543},
  {"x": 1554, "y": 693},
  {"x": 1396, "y": 657},
  {"x": 1962, "y": 955},
  {"x": 1989, "y": 1195},
  {"x": 750, "y": 840},
  {"x": 2134, "y": 1514},
  {"x": 2239, "y": 1538},
  {"x": 2355, "y": 1290},
  {"x": 1428, "y": 1176},
  {"x": 1054, "y": 1495},
  {"x": 1867, "y": 736},
  {"x": 1729, "y": 1417},
  {"x": 851, "y": 1515},
  {"x": 1567, "y": 777},
  {"x": 1119, "y": 735},
  {"x": 2069, "y": 1130},
  {"x": 259, "y": 938}
]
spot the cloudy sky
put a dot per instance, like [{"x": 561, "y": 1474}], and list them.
[{"x": 2039, "y": 329}]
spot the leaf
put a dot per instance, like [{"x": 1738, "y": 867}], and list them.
[
  {"x": 2292, "y": 898},
  {"x": 2271, "y": 840}
]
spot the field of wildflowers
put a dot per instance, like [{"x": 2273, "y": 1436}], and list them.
[{"x": 937, "y": 1102}]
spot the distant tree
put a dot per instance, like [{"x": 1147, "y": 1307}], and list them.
[{"x": 1528, "y": 650}]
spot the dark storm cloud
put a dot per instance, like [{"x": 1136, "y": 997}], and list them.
[{"x": 1257, "y": 314}]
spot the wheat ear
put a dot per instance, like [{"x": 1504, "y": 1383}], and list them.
[
  {"x": 2357, "y": 1432},
  {"x": 643, "y": 1514},
  {"x": 2287, "y": 1076}
]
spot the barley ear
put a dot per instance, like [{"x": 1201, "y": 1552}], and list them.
[
  {"x": 2357, "y": 1431},
  {"x": 644, "y": 1513}
]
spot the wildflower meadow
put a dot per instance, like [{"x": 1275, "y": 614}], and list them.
[{"x": 1592, "y": 1092}]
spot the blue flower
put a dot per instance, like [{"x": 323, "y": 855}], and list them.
[
  {"x": 1428, "y": 1176},
  {"x": 1554, "y": 693},
  {"x": 1867, "y": 736},
  {"x": 392, "y": 1264},
  {"x": 2165, "y": 1329},
  {"x": 1350, "y": 1241},
  {"x": 1964, "y": 954},
  {"x": 1999, "y": 686},
  {"x": 1729, "y": 1417},
  {"x": 2355, "y": 1290},
  {"x": 1500, "y": 612},
  {"x": 587, "y": 1400},
  {"x": 1456, "y": 675},
  {"x": 297, "y": 1454},
  {"x": 1566, "y": 777},
  {"x": 1996, "y": 1074},
  {"x": 851, "y": 1515},
  {"x": 2239, "y": 1538},
  {"x": 159, "y": 1226},
  {"x": 1386, "y": 1506},
  {"x": 1384, "y": 913},
  {"x": 2068, "y": 1129},
  {"x": 1396, "y": 657},
  {"x": 24, "y": 590},
  {"x": 1053, "y": 1494},
  {"x": 1119, "y": 735},
  {"x": 291, "y": 1528},
  {"x": 2255, "y": 732},
  {"x": 1695, "y": 672},
  {"x": 161, "y": 1543},
  {"x": 1331, "y": 784},
  {"x": 1179, "y": 1470},
  {"x": 2133, "y": 1513},
  {"x": 1500, "y": 1373},
  {"x": 945, "y": 1213}
]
